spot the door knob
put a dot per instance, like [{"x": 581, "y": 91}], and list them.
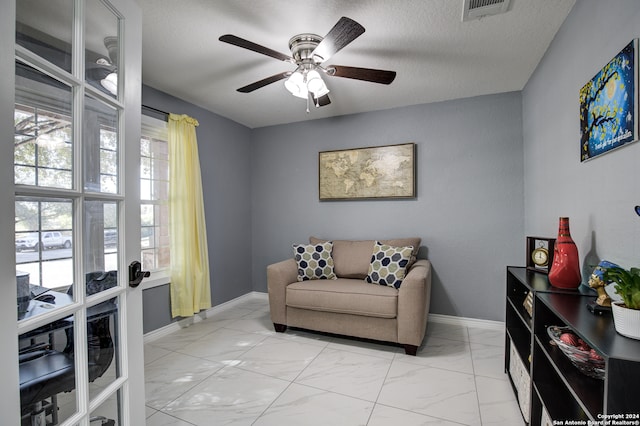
[{"x": 136, "y": 274}]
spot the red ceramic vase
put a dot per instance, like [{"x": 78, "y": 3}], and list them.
[{"x": 565, "y": 270}]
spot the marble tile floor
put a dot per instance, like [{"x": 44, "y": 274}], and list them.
[{"x": 233, "y": 369}]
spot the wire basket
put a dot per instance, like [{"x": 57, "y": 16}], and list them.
[{"x": 586, "y": 359}]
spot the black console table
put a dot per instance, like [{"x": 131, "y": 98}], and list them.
[{"x": 547, "y": 385}]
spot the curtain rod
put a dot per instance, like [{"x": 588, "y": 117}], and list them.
[{"x": 157, "y": 111}]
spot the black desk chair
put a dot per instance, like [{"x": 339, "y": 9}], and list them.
[{"x": 46, "y": 372}]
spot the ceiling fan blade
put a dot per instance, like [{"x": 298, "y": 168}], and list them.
[
  {"x": 342, "y": 33},
  {"x": 322, "y": 101},
  {"x": 365, "y": 74},
  {"x": 246, "y": 44},
  {"x": 258, "y": 84}
]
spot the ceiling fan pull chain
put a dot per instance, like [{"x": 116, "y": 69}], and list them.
[{"x": 304, "y": 80}]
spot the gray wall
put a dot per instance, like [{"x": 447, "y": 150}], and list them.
[
  {"x": 156, "y": 308},
  {"x": 469, "y": 208},
  {"x": 224, "y": 149},
  {"x": 597, "y": 195}
]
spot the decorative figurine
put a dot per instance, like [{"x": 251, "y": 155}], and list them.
[{"x": 596, "y": 282}]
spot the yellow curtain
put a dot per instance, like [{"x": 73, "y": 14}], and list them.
[{"x": 190, "y": 289}]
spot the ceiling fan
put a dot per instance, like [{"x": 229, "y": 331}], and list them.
[
  {"x": 103, "y": 70},
  {"x": 308, "y": 52}
]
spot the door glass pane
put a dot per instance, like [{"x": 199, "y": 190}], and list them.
[
  {"x": 43, "y": 148},
  {"x": 47, "y": 373},
  {"x": 46, "y": 28},
  {"x": 102, "y": 44},
  {"x": 103, "y": 349},
  {"x": 108, "y": 410},
  {"x": 101, "y": 262},
  {"x": 101, "y": 243},
  {"x": 101, "y": 147},
  {"x": 44, "y": 255}
]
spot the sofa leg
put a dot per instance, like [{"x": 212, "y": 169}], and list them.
[
  {"x": 280, "y": 328},
  {"x": 410, "y": 350}
]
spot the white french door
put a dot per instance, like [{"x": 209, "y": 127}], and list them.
[{"x": 70, "y": 323}]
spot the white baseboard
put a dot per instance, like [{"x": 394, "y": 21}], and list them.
[
  {"x": 467, "y": 322},
  {"x": 186, "y": 322}
]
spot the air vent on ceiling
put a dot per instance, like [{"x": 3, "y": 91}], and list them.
[{"x": 474, "y": 9}]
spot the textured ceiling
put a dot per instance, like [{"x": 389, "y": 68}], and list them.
[{"x": 436, "y": 56}]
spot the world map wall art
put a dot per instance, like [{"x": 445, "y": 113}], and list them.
[
  {"x": 608, "y": 110},
  {"x": 368, "y": 173}
]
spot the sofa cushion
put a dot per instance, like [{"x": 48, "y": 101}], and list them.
[
  {"x": 314, "y": 261},
  {"x": 345, "y": 296},
  {"x": 351, "y": 258},
  {"x": 388, "y": 265}
]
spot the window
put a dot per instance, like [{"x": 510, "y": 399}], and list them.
[
  {"x": 42, "y": 148},
  {"x": 44, "y": 237},
  {"x": 108, "y": 160},
  {"x": 154, "y": 195}
]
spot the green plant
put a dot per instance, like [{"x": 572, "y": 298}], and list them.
[{"x": 627, "y": 284}]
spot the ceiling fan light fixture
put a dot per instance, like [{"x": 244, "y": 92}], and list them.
[
  {"x": 324, "y": 90},
  {"x": 300, "y": 83},
  {"x": 110, "y": 82},
  {"x": 314, "y": 82},
  {"x": 296, "y": 86}
]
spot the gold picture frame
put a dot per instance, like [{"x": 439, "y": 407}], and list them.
[{"x": 382, "y": 172}]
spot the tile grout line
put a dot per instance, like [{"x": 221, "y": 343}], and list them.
[
  {"x": 475, "y": 380},
  {"x": 283, "y": 391},
  {"x": 375, "y": 403},
  {"x": 289, "y": 385},
  {"x": 190, "y": 388},
  {"x": 169, "y": 415},
  {"x": 222, "y": 366}
]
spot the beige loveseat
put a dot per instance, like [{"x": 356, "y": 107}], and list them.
[{"x": 349, "y": 305}]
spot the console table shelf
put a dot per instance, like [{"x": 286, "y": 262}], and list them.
[{"x": 557, "y": 387}]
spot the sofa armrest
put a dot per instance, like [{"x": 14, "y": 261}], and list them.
[
  {"x": 279, "y": 276},
  {"x": 414, "y": 297}
]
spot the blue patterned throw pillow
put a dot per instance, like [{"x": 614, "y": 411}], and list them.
[
  {"x": 314, "y": 261},
  {"x": 388, "y": 265}
]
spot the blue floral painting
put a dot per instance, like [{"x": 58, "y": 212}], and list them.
[{"x": 607, "y": 106}]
